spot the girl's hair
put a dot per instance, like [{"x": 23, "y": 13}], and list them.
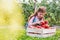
[{"x": 41, "y": 9}]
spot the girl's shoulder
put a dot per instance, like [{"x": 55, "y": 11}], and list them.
[{"x": 33, "y": 17}]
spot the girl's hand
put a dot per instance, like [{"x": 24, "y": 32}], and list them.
[{"x": 38, "y": 22}]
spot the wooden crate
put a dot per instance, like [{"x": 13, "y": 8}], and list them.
[{"x": 41, "y": 32}]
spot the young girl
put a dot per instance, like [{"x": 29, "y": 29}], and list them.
[{"x": 37, "y": 17}]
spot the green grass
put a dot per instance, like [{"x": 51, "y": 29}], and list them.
[
  {"x": 5, "y": 34},
  {"x": 55, "y": 37}
]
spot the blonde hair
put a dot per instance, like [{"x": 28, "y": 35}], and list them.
[{"x": 40, "y": 9}]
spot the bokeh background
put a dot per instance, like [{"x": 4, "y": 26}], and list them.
[
  {"x": 14, "y": 15},
  {"x": 11, "y": 20}
]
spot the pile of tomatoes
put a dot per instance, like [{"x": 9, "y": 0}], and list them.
[{"x": 43, "y": 24}]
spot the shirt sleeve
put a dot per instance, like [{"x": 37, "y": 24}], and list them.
[{"x": 30, "y": 21}]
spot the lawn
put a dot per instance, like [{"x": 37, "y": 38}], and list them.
[
  {"x": 6, "y": 34},
  {"x": 55, "y": 37}
]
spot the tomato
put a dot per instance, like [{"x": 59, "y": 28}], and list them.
[
  {"x": 46, "y": 22},
  {"x": 42, "y": 23},
  {"x": 45, "y": 26}
]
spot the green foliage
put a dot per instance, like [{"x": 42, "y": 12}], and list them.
[
  {"x": 27, "y": 10},
  {"x": 53, "y": 11}
]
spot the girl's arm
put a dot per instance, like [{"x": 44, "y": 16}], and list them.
[{"x": 31, "y": 23}]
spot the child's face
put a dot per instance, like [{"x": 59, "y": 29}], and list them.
[{"x": 40, "y": 14}]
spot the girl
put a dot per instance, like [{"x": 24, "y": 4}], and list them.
[{"x": 37, "y": 17}]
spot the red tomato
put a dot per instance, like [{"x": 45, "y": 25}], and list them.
[
  {"x": 42, "y": 23},
  {"x": 43, "y": 26},
  {"x": 46, "y": 22},
  {"x": 46, "y": 26}
]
